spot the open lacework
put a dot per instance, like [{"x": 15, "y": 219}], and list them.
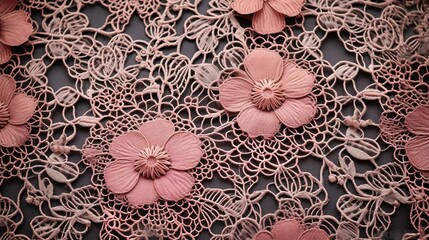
[{"x": 226, "y": 119}]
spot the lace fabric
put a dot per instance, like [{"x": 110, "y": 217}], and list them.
[{"x": 239, "y": 114}]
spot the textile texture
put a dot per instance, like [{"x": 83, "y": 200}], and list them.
[{"x": 214, "y": 119}]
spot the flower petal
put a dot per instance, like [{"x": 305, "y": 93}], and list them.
[
  {"x": 314, "y": 234},
  {"x": 256, "y": 122},
  {"x": 5, "y": 53},
  {"x": 120, "y": 176},
  {"x": 247, "y": 6},
  {"x": 289, "y": 8},
  {"x": 263, "y": 235},
  {"x": 417, "y": 151},
  {"x": 7, "y": 88},
  {"x": 418, "y": 120},
  {"x": 7, "y": 6},
  {"x": 127, "y": 146},
  {"x": 268, "y": 21},
  {"x": 13, "y": 136},
  {"x": 296, "y": 112},
  {"x": 174, "y": 185},
  {"x": 263, "y": 64},
  {"x": 21, "y": 108},
  {"x": 16, "y": 28},
  {"x": 296, "y": 82},
  {"x": 234, "y": 94},
  {"x": 157, "y": 131},
  {"x": 287, "y": 229},
  {"x": 143, "y": 192},
  {"x": 184, "y": 149}
]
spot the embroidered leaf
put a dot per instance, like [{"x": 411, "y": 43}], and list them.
[
  {"x": 206, "y": 74},
  {"x": 64, "y": 172},
  {"x": 346, "y": 70},
  {"x": 46, "y": 187},
  {"x": 67, "y": 96}
]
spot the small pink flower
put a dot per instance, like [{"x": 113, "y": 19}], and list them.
[
  {"x": 15, "y": 29},
  {"x": 153, "y": 162},
  {"x": 269, "y": 15},
  {"x": 417, "y": 148},
  {"x": 269, "y": 92},
  {"x": 291, "y": 229},
  {"x": 15, "y": 110}
]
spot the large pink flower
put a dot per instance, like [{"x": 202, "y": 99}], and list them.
[
  {"x": 417, "y": 148},
  {"x": 15, "y": 29},
  {"x": 291, "y": 229},
  {"x": 15, "y": 110},
  {"x": 269, "y": 92},
  {"x": 269, "y": 15},
  {"x": 153, "y": 162}
]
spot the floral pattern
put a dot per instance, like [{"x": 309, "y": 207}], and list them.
[
  {"x": 291, "y": 229},
  {"x": 153, "y": 162},
  {"x": 417, "y": 147},
  {"x": 269, "y": 15},
  {"x": 220, "y": 119},
  {"x": 15, "y": 110},
  {"x": 270, "y": 91},
  {"x": 15, "y": 28}
]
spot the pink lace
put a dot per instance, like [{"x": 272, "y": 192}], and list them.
[{"x": 220, "y": 119}]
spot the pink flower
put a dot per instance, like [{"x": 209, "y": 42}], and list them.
[
  {"x": 269, "y": 92},
  {"x": 417, "y": 148},
  {"x": 15, "y": 29},
  {"x": 269, "y": 15},
  {"x": 153, "y": 162},
  {"x": 291, "y": 229},
  {"x": 15, "y": 111}
]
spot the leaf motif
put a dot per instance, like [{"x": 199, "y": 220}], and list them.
[
  {"x": 309, "y": 40},
  {"x": 57, "y": 49},
  {"x": 8, "y": 209},
  {"x": 63, "y": 172},
  {"x": 73, "y": 23},
  {"x": 299, "y": 185},
  {"x": 232, "y": 58},
  {"x": 351, "y": 168},
  {"x": 87, "y": 121},
  {"x": 371, "y": 94},
  {"x": 66, "y": 96},
  {"x": 207, "y": 41},
  {"x": 217, "y": 204},
  {"x": 363, "y": 149},
  {"x": 47, "y": 228},
  {"x": 329, "y": 22},
  {"x": 46, "y": 187},
  {"x": 346, "y": 70},
  {"x": 244, "y": 229},
  {"x": 195, "y": 25},
  {"x": 361, "y": 211},
  {"x": 205, "y": 74},
  {"x": 36, "y": 67},
  {"x": 347, "y": 230},
  {"x": 84, "y": 198}
]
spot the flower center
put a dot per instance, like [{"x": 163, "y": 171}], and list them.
[
  {"x": 267, "y": 95},
  {"x": 153, "y": 162},
  {"x": 4, "y": 115}
]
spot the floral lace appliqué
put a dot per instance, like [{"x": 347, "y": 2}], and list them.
[
  {"x": 152, "y": 163},
  {"x": 269, "y": 15},
  {"x": 417, "y": 148},
  {"x": 15, "y": 29},
  {"x": 291, "y": 229},
  {"x": 270, "y": 91},
  {"x": 15, "y": 111}
]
